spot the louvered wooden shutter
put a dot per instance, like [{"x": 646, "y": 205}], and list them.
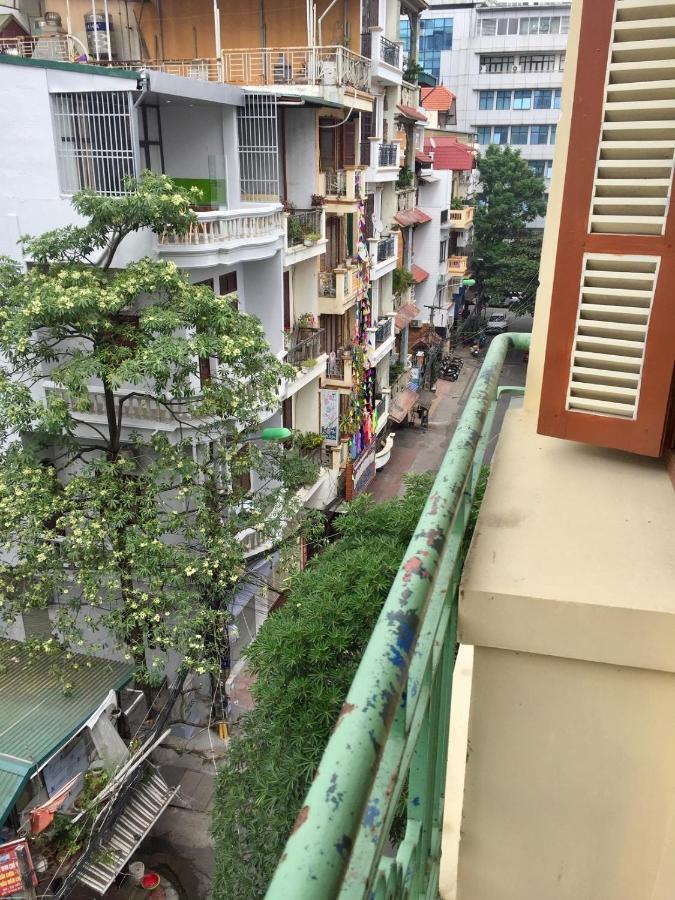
[{"x": 611, "y": 343}]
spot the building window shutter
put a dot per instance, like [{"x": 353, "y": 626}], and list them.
[{"x": 610, "y": 352}]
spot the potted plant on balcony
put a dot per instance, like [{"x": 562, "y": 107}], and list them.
[
  {"x": 294, "y": 231},
  {"x": 308, "y": 364},
  {"x": 318, "y": 200},
  {"x": 305, "y": 325},
  {"x": 310, "y": 238}
]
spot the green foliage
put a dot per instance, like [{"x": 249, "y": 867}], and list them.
[
  {"x": 458, "y": 203},
  {"x": 402, "y": 279},
  {"x": 505, "y": 253},
  {"x": 412, "y": 71},
  {"x": 405, "y": 177},
  {"x": 129, "y": 533},
  {"x": 395, "y": 371},
  {"x": 309, "y": 440},
  {"x": 303, "y": 662},
  {"x": 294, "y": 229}
]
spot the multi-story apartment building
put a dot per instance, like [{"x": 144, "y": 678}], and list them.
[{"x": 505, "y": 63}]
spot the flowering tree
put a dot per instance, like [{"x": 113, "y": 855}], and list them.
[{"x": 128, "y": 400}]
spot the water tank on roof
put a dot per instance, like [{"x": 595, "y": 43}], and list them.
[{"x": 98, "y": 29}]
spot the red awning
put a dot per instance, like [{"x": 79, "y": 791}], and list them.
[
  {"x": 406, "y": 314},
  {"x": 419, "y": 274},
  {"x": 411, "y": 113},
  {"x": 412, "y": 217},
  {"x": 401, "y": 405},
  {"x": 423, "y": 157}
]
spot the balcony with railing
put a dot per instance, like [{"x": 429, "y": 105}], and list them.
[
  {"x": 325, "y": 67},
  {"x": 410, "y": 94},
  {"x": 338, "y": 371},
  {"x": 307, "y": 358},
  {"x": 305, "y": 234},
  {"x": 380, "y": 340},
  {"x": 312, "y": 70},
  {"x": 406, "y": 198},
  {"x": 138, "y": 409},
  {"x": 342, "y": 188},
  {"x": 383, "y": 255},
  {"x": 458, "y": 265},
  {"x": 385, "y": 56},
  {"x": 387, "y": 754},
  {"x": 384, "y": 161},
  {"x": 461, "y": 218},
  {"x": 338, "y": 290},
  {"x": 226, "y": 236}
]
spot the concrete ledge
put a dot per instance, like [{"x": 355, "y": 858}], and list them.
[{"x": 573, "y": 555}]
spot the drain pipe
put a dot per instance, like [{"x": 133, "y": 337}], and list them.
[{"x": 321, "y": 18}]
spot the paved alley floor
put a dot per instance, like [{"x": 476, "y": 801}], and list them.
[{"x": 417, "y": 449}]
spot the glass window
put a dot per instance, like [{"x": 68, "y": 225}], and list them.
[
  {"x": 444, "y": 252},
  {"x": 538, "y": 62},
  {"x": 561, "y": 63},
  {"x": 554, "y": 129},
  {"x": 544, "y": 25},
  {"x": 486, "y": 100},
  {"x": 488, "y": 27},
  {"x": 503, "y": 99},
  {"x": 522, "y": 99},
  {"x": 502, "y": 26},
  {"x": 543, "y": 99},
  {"x": 513, "y": 26},
  {"x": 500, "y": 134},
  {"x": 533, "y": 26},
  {"x": 564, "y": 25},
  {"x": 483, "y": 134},
  {"x": 519, "y": 134},
  {"x": 435, "y": 36},
  {"x": 496, "y": 64},
  {"x": 539, "y": 134},
  {"x": 548, "y": 173},
  {"x": 538, "y": 166},
  {"x": 524, "y": 26},
  {"x": 404, "y": 34},
  {"x": 555, "y": 25},
  {"x": 556, "y": 98}
]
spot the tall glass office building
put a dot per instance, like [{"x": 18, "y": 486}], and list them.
[{"x": 435, "y": 35}]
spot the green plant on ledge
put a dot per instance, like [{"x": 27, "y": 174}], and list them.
[
  {"x": 459, "y": 203},
  {"x": 412, "y": 72},
  {"x": 310, "y": 440},
  {"x": 309, "y": 364},
  {"x": 294, "y": 230},
  {"x": 402, "y": 279},
  {"x": 312, "y": 236},
  {"x": 405, "y": 177}
]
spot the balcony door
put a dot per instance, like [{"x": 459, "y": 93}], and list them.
[{"x": 335, "y": 250}]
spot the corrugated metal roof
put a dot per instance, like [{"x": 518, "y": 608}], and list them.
[{"x": 37, "y": 716}]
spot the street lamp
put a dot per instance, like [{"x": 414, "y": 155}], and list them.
[{"x": 275, "y": 434}]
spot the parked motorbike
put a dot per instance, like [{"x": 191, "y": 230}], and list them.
[
  {"x": 451, "y": 367},
  {"x": 475, "y": 350}
]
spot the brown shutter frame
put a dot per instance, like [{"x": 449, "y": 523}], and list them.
[{"x": 645, "y": 434}]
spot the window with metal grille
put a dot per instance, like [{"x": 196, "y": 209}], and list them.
[
  {"x": 258, "y": 147},
  {"x": 94, "y": 132},
  {"x": 538, "y": 62},
  {"x": 497, "y": 64}
]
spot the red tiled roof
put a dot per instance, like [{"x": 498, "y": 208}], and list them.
[
  {"x": 449, "y": 153},
  {"x": 438, "y": 97},
  {"x": 419, "y": 274},
  {"x": 422, "y": 157},
  {"x": 406, "y": 314},
  {"x": 412, "y": 217},
  {"x": 411, "y": 113}
]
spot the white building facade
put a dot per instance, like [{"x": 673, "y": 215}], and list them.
[{"x": 505, "y": 66}]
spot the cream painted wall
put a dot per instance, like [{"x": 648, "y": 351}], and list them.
[
  {"x": 304, "y": 296},
  {"x": 535, "y": 369},
  {"x": 569, "y": 780},
  {"x": 306, "y": 408}
]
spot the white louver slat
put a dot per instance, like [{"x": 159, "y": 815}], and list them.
[
  {"x": 632, "y": 187},
  {"x": 616, "y": 298}
]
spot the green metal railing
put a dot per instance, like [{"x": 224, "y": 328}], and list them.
[{"x": 393, "y": 728}]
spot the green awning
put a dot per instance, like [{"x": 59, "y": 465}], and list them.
[{"x": 37, "y": 716}]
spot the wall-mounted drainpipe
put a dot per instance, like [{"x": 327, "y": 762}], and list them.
[{"x": 321, "y": 18}]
